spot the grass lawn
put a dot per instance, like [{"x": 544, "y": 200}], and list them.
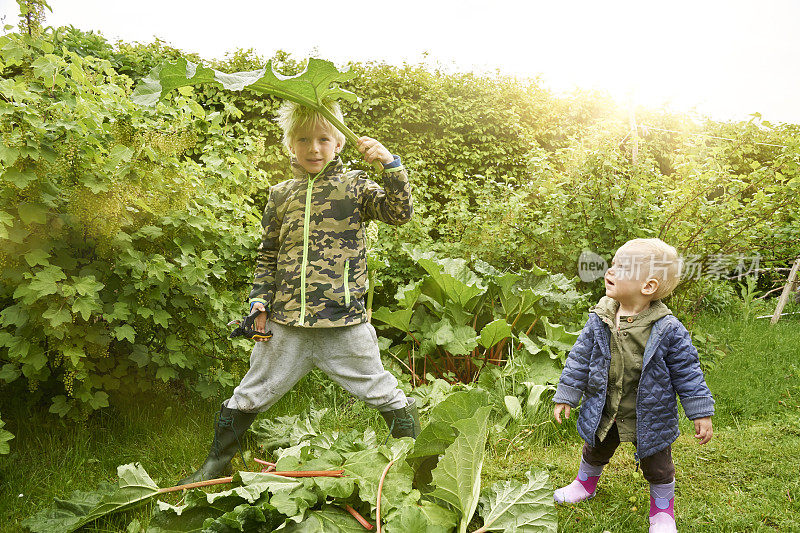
[{"x": 746, "y": 479}]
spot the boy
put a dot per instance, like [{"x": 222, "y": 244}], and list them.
[
  {"x": 310, "y": 281},
  {"x": 628, "y": 363}
]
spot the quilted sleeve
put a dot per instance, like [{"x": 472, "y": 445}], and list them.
[
  {"x": 576, "y": 371},
  {"x": 686, "y": 376}
]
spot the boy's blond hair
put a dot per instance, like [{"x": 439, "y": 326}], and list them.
[
  {"x": 663, "y": 261},
  {"x": 292, "y": 117}
]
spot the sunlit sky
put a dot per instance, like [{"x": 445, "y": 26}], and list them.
[{"x": 726, "y": 59}]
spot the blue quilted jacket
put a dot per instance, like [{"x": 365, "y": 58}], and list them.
[{"x": 670, "y": 365}]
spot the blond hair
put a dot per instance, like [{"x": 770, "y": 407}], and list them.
[
  {"x": 292, "y": 117},
  {"x": 665, "y": 265}
]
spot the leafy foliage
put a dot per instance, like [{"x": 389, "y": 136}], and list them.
[
  {"x": 457, "y": 321},
  {"x": 265, "y": 501},
  {"x": 135, "y": 488},
  {"x": 112, "y": 276}
]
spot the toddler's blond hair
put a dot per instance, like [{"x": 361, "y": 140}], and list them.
[
  {"x": 292, "y": 117},
  {"x": 663, "y": 261}
]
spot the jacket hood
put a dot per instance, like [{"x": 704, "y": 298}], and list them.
[{"x": 607, "y": 307}]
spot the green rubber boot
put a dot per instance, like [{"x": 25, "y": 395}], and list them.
[
  {"x": 229, "y": 428},
  {"x": 403, "y": 422}
]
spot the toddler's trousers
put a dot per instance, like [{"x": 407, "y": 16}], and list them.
[
  {"x": 657, "y": 468},
  {"x": 349, "y": 355}
]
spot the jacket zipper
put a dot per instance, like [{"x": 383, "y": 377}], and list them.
[
  {"x": 347, "y": 283},
  {"x": 306, "y": 221}
]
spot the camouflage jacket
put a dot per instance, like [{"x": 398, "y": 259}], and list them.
[{"x": 312, "y": 260}]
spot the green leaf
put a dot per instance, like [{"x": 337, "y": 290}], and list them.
[
  {"x": 458, "y": 340},
  {"x": 311, "y": 88},
  {"x": 9, "y": 372},
  {"x": 458, "y": 475},
  {"x": 440, "y": 431},
  {"x": 135, "y": 488},
  {"x": 61, "y": 406},
  {"x": 121, "y": 312},
  {"x": 14, "y": 315},
  {"x": 45, "y": 282},
  {"x": 454, "y": 278},
  {"x": 46, "y": 67},
  {"x": 5, "y": 436},
  {"x": 30, "y": 213},
  {"x": 74, "y": 353},
  {"x": 513, "y": 406},
  {"x": 166, "y": 373},
  {"x": 535, "y": 394},
  {"x": 398, "y": 319},
  {"x": 37, "y": 256},
  {"x": 426, "y": 517},
  {"x": 86, "y": 306},
  {"x": 494, "y": 332},
  {"x": 407, "y": 295},
  {"x": 514, "y": 507},
  {"x": 329, "y": 519},
  {"x": 86, "y": 285},
  {"x": 285, "y": 431},
  {"x": 20, "y": 178},
  {"x": 366, "y": 467},
  {"x": 99, "y": 400}
]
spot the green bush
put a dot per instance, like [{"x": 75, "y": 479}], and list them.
[{"x": 122, "y": 259}]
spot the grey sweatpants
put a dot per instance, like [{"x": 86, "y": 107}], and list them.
[{"x": 349, "y": 355}]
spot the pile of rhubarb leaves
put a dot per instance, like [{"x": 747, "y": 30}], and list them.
[{"x": 433, "y": 484}]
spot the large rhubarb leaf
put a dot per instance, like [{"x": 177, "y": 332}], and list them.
[
  {"x": 311, "y": 88},
  {"x": 245, "y": 518},
  {"x": 427, "y": 517},
  {"x": 399, "y": 319},
  {"x": 286, "y": 431},
  {"x": 135, "y": 488},
  {"x": 366, "y": 467},
  {"x": 458, "y": 475},
  {"x": 329, "y": 519},
  {"x": 515, "y": 507},
  {"x": 440, "y": 432},
  {"x": 454, "y": 278},
  {"x": 494, "y": 332}
]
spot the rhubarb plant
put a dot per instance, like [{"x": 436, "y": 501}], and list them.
[
  {"x": 453, "y": 445},
  {"x": 465, "y": 323}
]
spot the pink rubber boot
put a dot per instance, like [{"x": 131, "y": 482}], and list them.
[
  {"x": 583, "y": 487},
  {"x": 662, "y": 508}
]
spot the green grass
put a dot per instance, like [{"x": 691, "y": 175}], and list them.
[{"x": 745, "y": 480}]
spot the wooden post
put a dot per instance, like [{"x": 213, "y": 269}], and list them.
[{"x": 786, "y": 290}]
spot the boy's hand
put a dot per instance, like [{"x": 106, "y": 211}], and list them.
[
  {"x": 703, "y": 429},
  {"x": 261, "y": 320},
  {"x": 374, "y": 151},
  {"x": 561, "y": 407}
]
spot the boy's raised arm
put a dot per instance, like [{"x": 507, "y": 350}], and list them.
[
  {"x": 266, "y": 263},
  {"x": 391, "y": 203}
]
